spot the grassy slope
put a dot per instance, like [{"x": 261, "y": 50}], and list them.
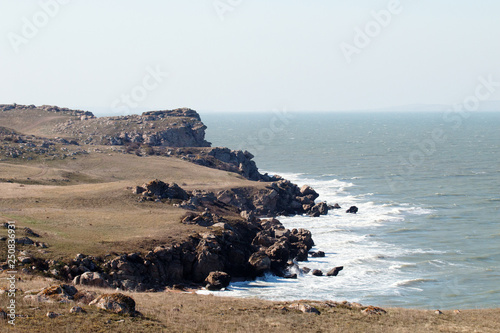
[
  {"x": 91, "y": 210},
  {"x": 34, "y": 121}
]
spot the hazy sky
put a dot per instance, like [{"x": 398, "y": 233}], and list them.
[{"x": 124, "y": 56}]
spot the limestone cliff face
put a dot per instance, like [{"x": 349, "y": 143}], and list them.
[{"x": 171, "y": 128}]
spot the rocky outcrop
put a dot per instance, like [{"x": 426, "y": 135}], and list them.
[
  {"x": 156, "y": 189},
  {"x": 236, "y": 161},
  {"x": 231, "y": 249},
  {"x": 56, "y": 293},
  {"x": 50, "y": 108},
  {"x": 279, "y": 198},
  {"x": 171, "y": 128}
]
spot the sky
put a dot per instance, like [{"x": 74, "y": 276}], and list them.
[{"x": 124, "y": 56}]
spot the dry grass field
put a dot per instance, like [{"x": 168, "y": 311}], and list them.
[
  {"x": 187, "y": 312},
  {"x": 85, "y": 205}
]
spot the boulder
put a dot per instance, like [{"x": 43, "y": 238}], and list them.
[
  {"x": 161, "y": 190},
  {"x": 207, "y": 260},
  {"x": 263, "y": 239},
  {"x": 308, "y": 190},
  {"x": 84, "y": 296},
  {"x": 91, "y": 279},
  {"x": 217, "y": 280},
  {"x": 260, "y": 262},
  {"x": 60, "y": 292},
  {"x": 116, "y": 302},
  {"x": 317, "y": 272},
  {"x": 352, "y": 210},
  {"x": 319, "y": 209},
  {"x": 25, "y": 241},
  {"x": 335, "y": 271},
  {"x": 319, "y": 254},
  {"x": 336, "y": 206}
]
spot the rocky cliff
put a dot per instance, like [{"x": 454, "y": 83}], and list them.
[
  {"x": 171, "y": 128},
  {"x": 241, "y": 249}
]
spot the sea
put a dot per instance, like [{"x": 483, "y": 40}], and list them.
[{"x": 427, "y": 233}]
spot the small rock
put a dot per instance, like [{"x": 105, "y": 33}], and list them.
[
  {"x": 51, "y": 314},
  {"x": 317, "y": 272},
  {"x": 306, "y": 308},
  {"x": 373, "y": 310},
  {"x": 319, "y": 254},
  {"x": 335, "y": 271},
  {"x": 305, "y": 270},
  {"x": 77, "y": 309},
  {"x": 352, "y": 210}
]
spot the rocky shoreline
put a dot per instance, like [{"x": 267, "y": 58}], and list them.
[{"x": 245, "y": 247}]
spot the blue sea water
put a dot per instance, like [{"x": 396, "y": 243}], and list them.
[{"x": 427, "y": 234}]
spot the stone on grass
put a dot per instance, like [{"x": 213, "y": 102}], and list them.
[
  {"x": 77, "y": 309},
  {"x": 116, "y": 302},
  {"x": 373, "y": 310}
]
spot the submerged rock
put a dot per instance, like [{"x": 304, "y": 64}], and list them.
[
  {"x": 335, "y": 271},
  {"x": 352, "y": 210}
]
